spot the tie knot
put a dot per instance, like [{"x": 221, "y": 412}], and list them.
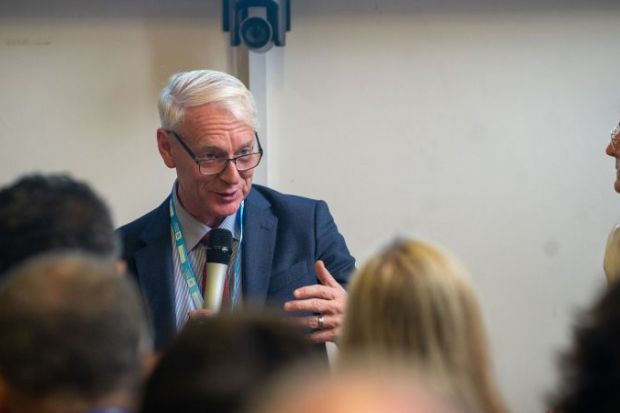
[{"x": 205, "y": 239}]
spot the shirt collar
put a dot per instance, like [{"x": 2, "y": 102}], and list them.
[{"x": 194, "y": 230}]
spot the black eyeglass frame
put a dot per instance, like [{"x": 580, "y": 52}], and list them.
[{"x": 233, "y": 159}]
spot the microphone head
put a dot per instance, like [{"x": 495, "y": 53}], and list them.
[{"x": 219, "y": 246}]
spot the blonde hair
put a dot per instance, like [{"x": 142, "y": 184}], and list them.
[
  {"x": 414, "y": 302},
  {"x": 199, "y": 87},
  {"x": 611, "y": 261},
  {"x": 387, "y": 389}
]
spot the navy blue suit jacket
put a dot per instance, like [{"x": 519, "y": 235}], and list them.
[{"x": 283, "y": 236}]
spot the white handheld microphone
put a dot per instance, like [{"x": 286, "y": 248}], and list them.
[{"x": 219, "y": 250}]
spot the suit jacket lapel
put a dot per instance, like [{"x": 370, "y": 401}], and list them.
[
  {"x": 259, "y": 239},
  {"x": 155, "y": 276}
]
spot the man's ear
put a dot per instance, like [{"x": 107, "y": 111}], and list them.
[{"x": 165, "y": 149}]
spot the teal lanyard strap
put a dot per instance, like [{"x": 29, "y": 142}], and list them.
[{"x": 186, "y": 269}]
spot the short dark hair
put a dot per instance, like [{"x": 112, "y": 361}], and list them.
[
  {"x": 217, "y": 364},
  {"x": 70, "y": 324},
  {"x": 41, "y": 213},
  {"x": 590, "y": 370}
]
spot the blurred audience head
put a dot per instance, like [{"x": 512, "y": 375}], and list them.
[
  {"x": 358, "y": 388},
  {"x": 590, "y": 371},
  {"x": 414, "y": 302},
  {"x": 74, "y": 336},
  {"x": 42, "y": 213},
  {"x": 216, "y": 364}
]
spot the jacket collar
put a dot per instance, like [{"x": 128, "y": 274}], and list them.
[{"x": 259, "y": 239}]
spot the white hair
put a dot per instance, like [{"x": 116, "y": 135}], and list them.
[{"x": 199, "y": 87}]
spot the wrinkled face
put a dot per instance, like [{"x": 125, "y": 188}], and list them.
[
  {"x": 210, "y": 131},
  {"x": 613, "y": 150}
]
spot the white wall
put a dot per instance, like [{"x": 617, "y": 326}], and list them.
[
  {"x": 79, "y": 84},
  {"x": 475, "y": 125}
]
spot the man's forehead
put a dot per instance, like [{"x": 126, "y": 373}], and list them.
[
  {"x": 223, "y": 141},
  {"x": 219, "y": 111},
  {"x": 217, "y": 133},
  {"x": 215, "y": 125}
]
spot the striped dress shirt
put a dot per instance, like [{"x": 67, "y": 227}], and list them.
[{"x": 193, "y": 232}]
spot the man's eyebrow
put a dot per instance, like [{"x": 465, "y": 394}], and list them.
[
  {"x": 216, "y": 149},
  {"x": 212, "y": 148},
  {"x": 247, "y": 145}
]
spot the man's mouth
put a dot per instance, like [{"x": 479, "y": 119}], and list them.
[{"x": 228, "y": 196}]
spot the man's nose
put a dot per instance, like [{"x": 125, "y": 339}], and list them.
[
  {"x": 230, "y": 174},
  {"x": 610, "y": 150}
]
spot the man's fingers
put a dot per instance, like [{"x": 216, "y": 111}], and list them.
[
  {"x": 300, "y": 322},
  {"x": 327, "y": 299},
  {"x": 324, "y": 276},
  {"x": 312, "y": 322},
  {"x": 313, "y": 305},
  {"x": 322, "y": 336},
  {"x": 329, "y": 332},
  {"x": 200, "y": 313},
  {"x": 315, "y": 291}
]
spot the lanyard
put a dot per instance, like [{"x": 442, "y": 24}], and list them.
[{"x": 186, "y": 269}]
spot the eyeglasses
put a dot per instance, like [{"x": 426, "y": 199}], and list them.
[
  {"x": 615, "y": 138},
  {"x": 211, "y": 165}
]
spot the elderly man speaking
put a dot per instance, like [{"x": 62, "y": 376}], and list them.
[{"x": 286, "y": 250}]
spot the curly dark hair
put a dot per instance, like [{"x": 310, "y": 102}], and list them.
[
  {"x": 590, "y": 371},
  {"x": 43, "y": 213}
]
